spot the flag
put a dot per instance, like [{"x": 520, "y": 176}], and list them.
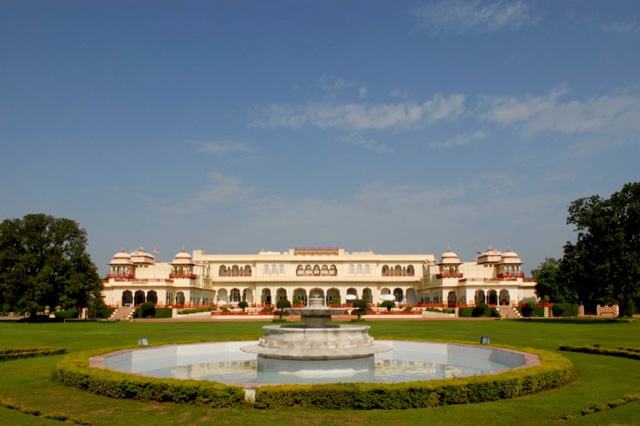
[{"x": 155, "y": 250}]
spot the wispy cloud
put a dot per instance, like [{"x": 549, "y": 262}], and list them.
[
  {"x": 460, "y": 16},
  {"x": 220, "y": 190},
  {"x": 222, "y": 147},
  {"x": 616, "y": 114},
  {"x": 462, "y": 139},
  {"x": 367, "y": 143},
  {"x": 622, "y": 27},
  {"x": 361, "y": 116}
]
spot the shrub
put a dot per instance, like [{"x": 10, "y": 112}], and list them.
[
  {"x": 481, "y": 310},
  {"x": 147, "y": 310},
  {"x": 296, "y": 301},
  {"x": 466, "y": 312},
  {"x": 335, "y": 301},
  {"x": 105, "y": 312},
  {"x": 19, "y": 353},
  {"x": 163, "y": 313},
  {"x": 554, "y": 370},
  {"x": 224, "y": 309},
  {"x": 74, "y": 370},
  {"x": 243, "y": 305},
  {"x": 69, "y": 313},
  {"x": 565, "y": 310},
  {"x": 408, "y": 308},
  {"x": 527, "y": 310},
  {"x": 389, "y": 304}
]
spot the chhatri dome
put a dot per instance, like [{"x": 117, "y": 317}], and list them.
[
  {"x": 182, "y": 258},
  {"x": 449, "y": 258}
]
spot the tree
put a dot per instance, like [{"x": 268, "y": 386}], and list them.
[
  {"x": 281, "y": 305},
  {"x": 43, "y": 262},
  {"x": 361, "y": 308},
  {"x": 243, "y": 305},
  {"x": 603, "y": 265},
  {"x": 389, "y": 304},
  {"x": 550, "y": 285}
]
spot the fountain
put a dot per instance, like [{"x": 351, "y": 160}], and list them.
[{"x": 316, "y": 349}]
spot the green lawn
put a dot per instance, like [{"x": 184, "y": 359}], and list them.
[{"x": 32, "y": 382}]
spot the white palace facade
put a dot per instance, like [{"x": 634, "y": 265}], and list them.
[{"x": 264, "y": 278}]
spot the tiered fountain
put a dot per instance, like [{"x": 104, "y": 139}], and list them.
[{"x": 317, "y": 349}]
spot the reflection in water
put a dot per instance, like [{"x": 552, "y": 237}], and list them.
[{"x": 246, "y": 371}]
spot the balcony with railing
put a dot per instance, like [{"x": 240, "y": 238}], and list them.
[
  {"x": 449, "y": 275},
  {"x": 121, "y": 277},
  {"x": 187, "y": 276},
  {"x": 510, "y": 276}
]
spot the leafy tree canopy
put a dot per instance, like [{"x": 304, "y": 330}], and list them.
[
  {"x": 603, "y": 265},
  {"x": 549, "y": 282},
  {"x": 43, "y": 262}
]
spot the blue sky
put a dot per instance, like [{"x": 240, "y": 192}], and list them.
[{"x": 396, "y": 126}]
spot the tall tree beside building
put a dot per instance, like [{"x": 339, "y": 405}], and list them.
[
  {"x": 550, "y": 285},
  {"x": 603, "y": 265},
  {"x": 43, "y": 262}
]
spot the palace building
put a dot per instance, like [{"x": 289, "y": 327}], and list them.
[{"x": 330, "y": 272}]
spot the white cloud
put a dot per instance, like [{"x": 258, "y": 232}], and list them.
[
  {"x": 613, "y": 114},
  {"x": 220, "y": 190},
  {"x": 622, "y": 27},
  {"x": 362, "y": 92},
  {"x": 222, "y": 147},
  {"x": 367, "y": 143},
  {"x": 360, "y": 116},
  {"x": 462, "y": 139},
  {"x": 459, "y": 16}
]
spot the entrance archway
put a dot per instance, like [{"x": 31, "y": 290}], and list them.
[
  {"x": 452, "y": 298},
  {"x": 139, "y": 297},
  {"x": 504, "y": 297},
  {"x": 367, "y": 296},
  {"x": 266, "y": 296},
  {"x": 300, "y": 293},
  {"x": 492, "y": 297},
  {"x": 180, "y": 298},
  {"x": 127, "y": 298},
  {"x": 152, "y": 297},
  {"x": 479, "y": 297}
]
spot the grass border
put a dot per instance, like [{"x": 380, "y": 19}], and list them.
[
  {"x": 21, "y": 353},
  {"x": 631, "y": 353}
]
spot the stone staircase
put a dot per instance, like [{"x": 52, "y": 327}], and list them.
[
  {"x": 508, "y": 312},
  {"x": 123, "y": 313}
]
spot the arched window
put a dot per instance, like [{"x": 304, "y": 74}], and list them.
[
  {"x": 359, "y": 269},
  {"x": 411, "y": 271},
  {"x": 265, "y": 269},
  {"x": 299, "y": 271},
  {"x": 222, "y": 271},
  {"x": 235, "y": 295},
  {"x": 247, "y": 271},
  {"x": 367, "y": 270},
  {"x": 152, "y": 297},
  {"x": 385, "y": 271},
  {"x": 307, "y": 271},
  {"x": 139, "y": 297},
  {"x": 325, "y": 270},
  {"x": 316, "y": 271},
  {"x": 352, "y": 269},
  {"x": 399, "y": 295},
  {"x": 235, "y": 271},
  {"x": 180, "y": 298},
  {"x": 397, "y": 271},
  {"x": 333, "y": 271}
]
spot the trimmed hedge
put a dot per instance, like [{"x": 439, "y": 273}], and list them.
[
  {"x": 74, "y": 370},
  {"x": 19, "y": 353},
  {"x": 554, "y": 370},
  {"x": 465, "y": 312},
  {"x": 69, "y": 313},
  {"x": 621, "y": 352},
  {"x": 52, "y": 415},
  {"x": 565, "y": 309},
  {"x": 157, "y": 313}
]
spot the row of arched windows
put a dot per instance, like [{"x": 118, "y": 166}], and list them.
[
  {"x": 234, "y": 271},
  {"x": 398, "y": 271},
  {"x": 272, "y": 269},
  {"x": 359, "y": 270},
  {"x": 316, "y": 271}
]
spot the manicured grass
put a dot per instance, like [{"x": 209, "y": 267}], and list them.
[{"x": 32, "y": 382}]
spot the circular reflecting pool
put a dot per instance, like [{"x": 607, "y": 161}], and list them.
[{"x": 225, "y": 362}]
